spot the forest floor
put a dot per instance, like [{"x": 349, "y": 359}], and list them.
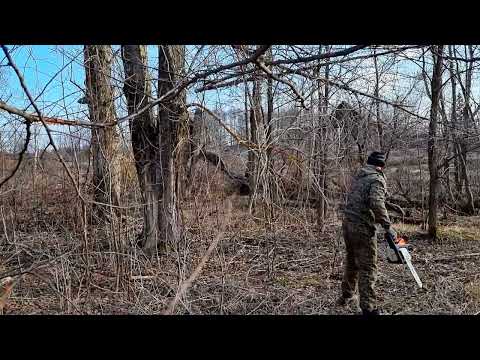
[{"x": 289, "y": 270}]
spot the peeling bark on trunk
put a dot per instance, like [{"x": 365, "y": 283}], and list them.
[{"x": 105, "y": 141}]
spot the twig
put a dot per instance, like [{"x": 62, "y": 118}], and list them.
[
  {"x": 30, "y": 118},
  {"x": 232, "y": 133},
  {"x": 39, "y": 114},
  {"x": 14, "y": 273},
  {"x": 186, "y": 284},
  {"x": 328, "y": 55},
  {"x": 21, "y": 155},
  {"x": 286, "y": 82}
]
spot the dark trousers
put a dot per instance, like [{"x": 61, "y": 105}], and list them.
[{"x": 360, "y": 264}]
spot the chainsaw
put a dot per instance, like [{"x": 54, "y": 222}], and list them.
[{"x": 398, "y": 253}]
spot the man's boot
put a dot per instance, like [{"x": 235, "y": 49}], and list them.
[{"x": 371, "y": 312}]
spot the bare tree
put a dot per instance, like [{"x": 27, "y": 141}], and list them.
[
  {"x": 257, "y": 134},
  {"x": 155, "y": 140},
  {"x": 322, "y": 144},
  {"x": 104, "y": 140},
  {"x": 467, "y": 123},
  {"x": 436, "y": 88}
]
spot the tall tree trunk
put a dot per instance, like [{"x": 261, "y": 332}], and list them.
[
  {"x": 155, "y": 140},
  {"x": 257, "y": 136},
  {"x": 432, "y": 141},
  {"x": 470, "y": 207},
  {"x": 247, "y": 132},
  {"x": 144, "y": 135},
  {"x": 174, "y": 129},
  {"x": 454, "y": 130},
  {"x": 196, "y": 142},
  {"x": 446, "y": 134},
  {"x": 377, "y": 105},
  {"x": 105, "y": 141},
  {"x": 322, "y": 136},
  {"x": 272, "y": 190}
]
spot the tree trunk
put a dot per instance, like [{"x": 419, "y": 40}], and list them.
[
  {"x": 173, "y": 128},
  {"x": 269, "y": 173},
  {"x": 377, "y": 105},
  {"x": 322, "y": 166},
  {"x": 453, "y": 130},
  {"x": 470, "y": 207},
  {"x": 155, "y": 140},
  {"x": 257, "y": 136},
  {"x": 432, "y": 141},
  {"x": 144, "y": 134},
  {"x": 195, "y": 141},
  {"x": 105, "y": 141},
  {"x": 250, "y": 173}
]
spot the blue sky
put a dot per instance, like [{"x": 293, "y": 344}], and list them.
[
  {"x": 40, "y": 67},
  {"x": 56, "y": 76},
  {"x": 40, "y": 64}
]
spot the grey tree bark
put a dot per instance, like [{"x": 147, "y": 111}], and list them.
[
  {"x": 322, "y": 143},
  {"x": 155, "y": 140},
  {"x": 105, "y": 143},
  {"x": 436, "y": 85},
  {"x": 257, "y": 135},
  {"x": 470, "y": 207},
  {"x": 381, "y": 145}
]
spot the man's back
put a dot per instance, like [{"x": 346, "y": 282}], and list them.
[{"x": 365, "y": 201}]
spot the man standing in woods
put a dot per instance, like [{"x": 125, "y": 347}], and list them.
[{"x": 364, "y": 209}]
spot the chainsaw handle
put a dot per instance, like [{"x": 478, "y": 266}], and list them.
[
  {"x": 393, "y": 246},
  {"x": 391, "y": 242}
]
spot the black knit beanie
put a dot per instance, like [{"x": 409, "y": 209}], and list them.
[{"x": 376, "y": 158}]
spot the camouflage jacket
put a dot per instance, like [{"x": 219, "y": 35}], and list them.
[{"x": 366, "y": 200}]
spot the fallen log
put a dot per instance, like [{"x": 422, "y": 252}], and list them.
[
  {"x": 394, "y": 207},
  {"x": 239, "y": 182}
]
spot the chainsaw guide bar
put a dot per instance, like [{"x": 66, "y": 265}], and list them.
[{"x": 397, "y": 253}]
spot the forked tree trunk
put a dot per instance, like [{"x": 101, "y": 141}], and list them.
[
  {"x": 105, "y": 141},
  {"x": 432, "y": 142},
  {"x": 155, "y": 140}
]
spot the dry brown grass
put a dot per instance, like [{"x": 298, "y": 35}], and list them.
[{"x": 280, "y": 266}]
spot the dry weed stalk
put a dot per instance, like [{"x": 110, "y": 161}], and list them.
[{"x": 187, "y": 283}]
